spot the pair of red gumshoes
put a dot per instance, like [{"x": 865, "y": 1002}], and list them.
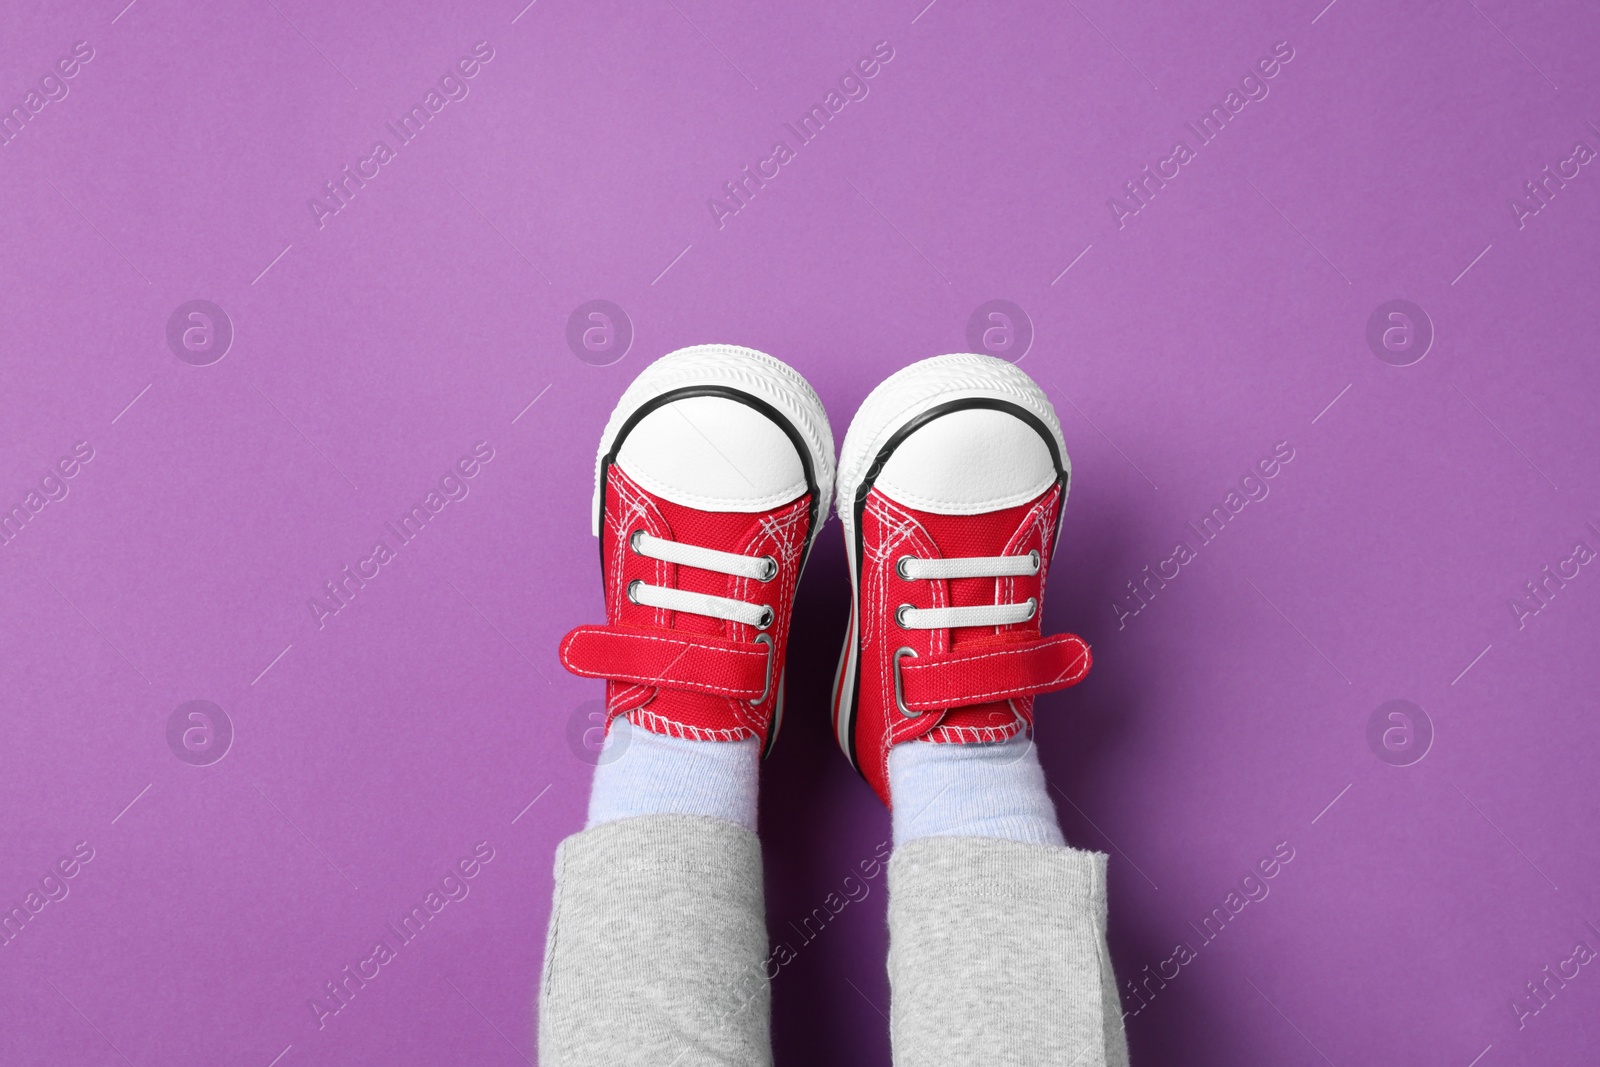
[{"x": 713, "y": 477}]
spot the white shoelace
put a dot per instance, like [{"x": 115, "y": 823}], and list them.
[
  {"x": 915, "y": 569},
  {"x": 759, "y": 568}
]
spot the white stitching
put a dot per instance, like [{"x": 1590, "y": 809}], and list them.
[
  {"x": 661, "y": 681},
  {"x": 976, "y": 735},
  {"x": 995, "y": 653},
  {"x": 961, "y": 700},
  {"x": 667, "y": 641},
  {"x": 674, "y": 728}
]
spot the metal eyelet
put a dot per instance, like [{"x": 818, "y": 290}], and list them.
[
  {"x": 771, "y": 572},
  {"x": 766, "y": 617},
  {"x": 900, "y": 616},
  {"x": 900, "y": 567},
  {"x": 1033, "y": 557},
  {"x": 1033, "y": 608},
  {"x": 633, "y": 540},
  {"x": 899, "y": 687},
  {"x": 632, "y": 586},
  {"x": 772, "y": 654}
]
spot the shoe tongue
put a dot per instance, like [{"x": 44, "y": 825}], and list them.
[
  {"x": 699, "y": 710},
  {"x": 955, "y": 723},
  {"x": 995, "y": 715},
  {"x": 729, "y": 532},
  {"x": 960, "y": 536}
]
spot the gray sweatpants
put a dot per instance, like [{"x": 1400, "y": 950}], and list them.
[{"x": 657, "y": 952}]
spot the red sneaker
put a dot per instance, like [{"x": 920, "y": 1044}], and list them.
[
  {"x": 712, "y": 479},
  {"x": 951, "y": 484}
]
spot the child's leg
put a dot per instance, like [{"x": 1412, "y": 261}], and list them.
[
  {"x": 997, "y": 948},
  {"x": 657, "y": 941},
  {"x": 951, "y": 484},
  {"x": 712, "y": 477}
]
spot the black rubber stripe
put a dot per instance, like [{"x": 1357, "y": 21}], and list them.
[
  {"x": 858, "y": 506},
  {"x": 739, "y": 396}
]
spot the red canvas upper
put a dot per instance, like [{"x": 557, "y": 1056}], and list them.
[
  {"x": 679, "y": 673},
  {"x": 971, "y": 684}
]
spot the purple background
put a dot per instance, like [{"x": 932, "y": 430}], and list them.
[{"x": 372, "y": 352}]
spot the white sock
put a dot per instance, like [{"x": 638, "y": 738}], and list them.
[
  {"x": 644, "y": 773},
  {"x": 943, "y": 790}
]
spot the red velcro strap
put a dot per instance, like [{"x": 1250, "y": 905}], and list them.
[
  {"x": 694, "y": 663},
  {"x": 959, "y": 679}
]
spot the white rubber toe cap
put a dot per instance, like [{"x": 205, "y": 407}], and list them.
[
  {"x": 716, "y": 451},
  {"x": 713, "y": 454},
  {"x": 949, "y": 468},
  {"x": 969, "y": 462}
]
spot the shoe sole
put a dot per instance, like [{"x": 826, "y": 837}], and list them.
[
  {"x": 900, "y": 405},
  {"x": 756, "y": 379}
]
